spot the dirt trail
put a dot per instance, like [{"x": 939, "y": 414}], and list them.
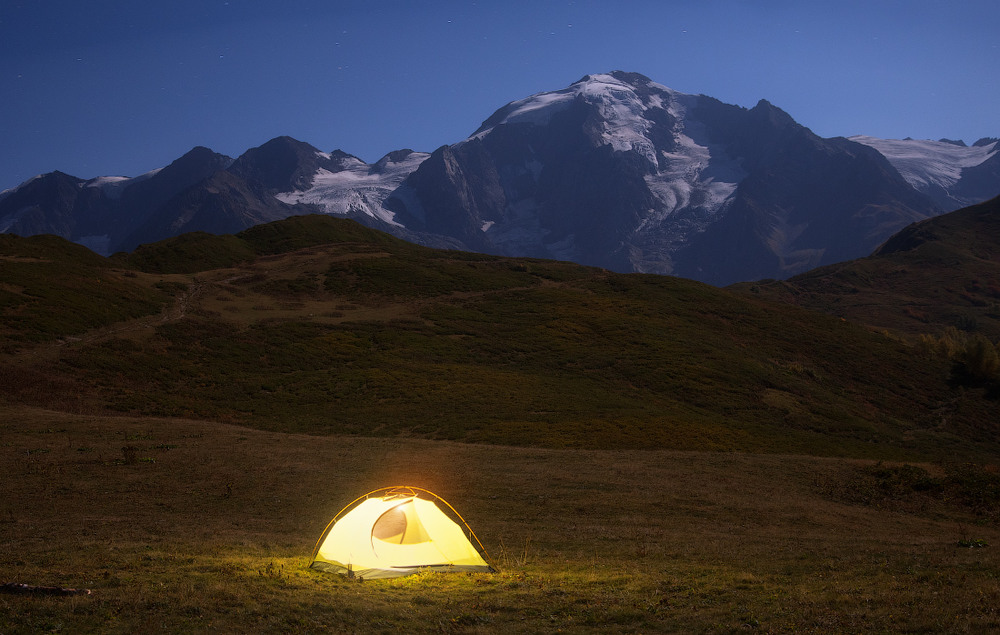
[
  {"x": 197, "y": 286},
  {"x": 171, "y": 313}
]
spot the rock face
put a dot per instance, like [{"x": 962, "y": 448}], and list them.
[
  {"x": 105, "y": 212},
  {"x": 615, "y": 171}
]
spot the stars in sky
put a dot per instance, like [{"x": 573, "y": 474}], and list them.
[{"x": 124, "y": 87}]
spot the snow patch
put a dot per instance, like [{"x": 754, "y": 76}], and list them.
[
  {"x": 101, "y": 181},
  {"x": 692, "y": 176},
  {"x": 110, "y": 186},
  {"x": 537, "y": 109}
]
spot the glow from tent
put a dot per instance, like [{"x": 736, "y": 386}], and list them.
[{"x": 395, "y": 532}]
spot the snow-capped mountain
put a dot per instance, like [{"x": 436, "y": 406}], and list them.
[
  {"x": 953, "y": 174},
  {"x": 614, "y": 170},
  {"x": 205, "y": 191},
  {"x": 621, "y": 172}
]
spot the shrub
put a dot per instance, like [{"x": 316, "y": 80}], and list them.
[
  {"x": 976, "y": 359},
  {"x": 979, "y": 359}
]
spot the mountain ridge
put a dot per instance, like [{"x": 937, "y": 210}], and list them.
[{"x": 614, "y": 170}]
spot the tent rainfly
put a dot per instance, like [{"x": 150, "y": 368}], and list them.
[{"x": 396, "y": 531}]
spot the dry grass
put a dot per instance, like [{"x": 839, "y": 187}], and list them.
[{"x": 189, "y": 526}]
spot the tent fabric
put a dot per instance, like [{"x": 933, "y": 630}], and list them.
[{"x": 395, "y": 534}]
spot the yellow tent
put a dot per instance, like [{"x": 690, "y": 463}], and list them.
[{"x": 396, "y": 531}]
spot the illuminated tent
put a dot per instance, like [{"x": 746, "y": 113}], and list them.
[{"x": 396, "y": 531}]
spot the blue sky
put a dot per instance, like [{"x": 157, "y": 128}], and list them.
[{"x": 116, "y": 87}]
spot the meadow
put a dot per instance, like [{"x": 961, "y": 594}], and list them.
[
  {"x": 192, "y": 526},
  {"x": 636, "y": 453}
]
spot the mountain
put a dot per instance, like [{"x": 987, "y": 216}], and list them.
[
  {"x": 339, "y": 183},
  {"x": 615, "y": 171},
  {"x": 102, "y": 213},
  {"x": 953, "y": 174},
  {"x": 621, "y": 172},
  {"x": 206, "y": 191}
]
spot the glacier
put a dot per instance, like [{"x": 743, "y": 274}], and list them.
[
  {"x": 926, "y": 163},
  {"x": 358, "y": 188}
]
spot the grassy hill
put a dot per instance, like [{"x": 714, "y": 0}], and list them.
[
  {"x": 51, "y": 289},
  {"x": 943, "y": 272},
  {"x": 702, "y": 460},
  {"x": 321, "y": 326}
]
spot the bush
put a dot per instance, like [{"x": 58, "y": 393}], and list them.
[
  {"x": 979, "y": 359},
  {"x": 976, "y": 359}
]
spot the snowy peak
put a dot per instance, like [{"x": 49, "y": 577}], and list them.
[
  {"x": 631, "y": 113},
  {"x": 620, "y": 101}
]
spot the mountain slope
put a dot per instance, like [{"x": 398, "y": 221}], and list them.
[
  {"x": 361, "y": 333},
  {"x": 222, "y": 203},
  {"x": 46, "y": 204},
  {"x": 52, "y": 290},
  {"x": 806, "y": 201},
  {"x": 933, "y": 274}
]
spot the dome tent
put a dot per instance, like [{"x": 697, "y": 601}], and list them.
[{"x": 397, "y": 531}]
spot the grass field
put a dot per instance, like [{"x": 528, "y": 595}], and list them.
[{"x": 188, "y": 526}]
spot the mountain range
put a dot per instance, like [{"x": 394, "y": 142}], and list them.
[{"x": 615, "y": 171}]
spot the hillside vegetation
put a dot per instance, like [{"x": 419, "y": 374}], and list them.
[
  {"x": 318, "y": 325},
  {"x": 153, "y": 405},
  {"x": 51, "y": 288},
  {"x": 940, "y": 273}
]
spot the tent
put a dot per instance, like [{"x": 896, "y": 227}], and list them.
[{"x": 396, "y": 531}]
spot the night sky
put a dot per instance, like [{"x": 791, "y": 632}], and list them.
[{"x": 113, "y": 87}]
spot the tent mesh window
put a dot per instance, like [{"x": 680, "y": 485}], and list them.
[{"x": 400, "y": 525}]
